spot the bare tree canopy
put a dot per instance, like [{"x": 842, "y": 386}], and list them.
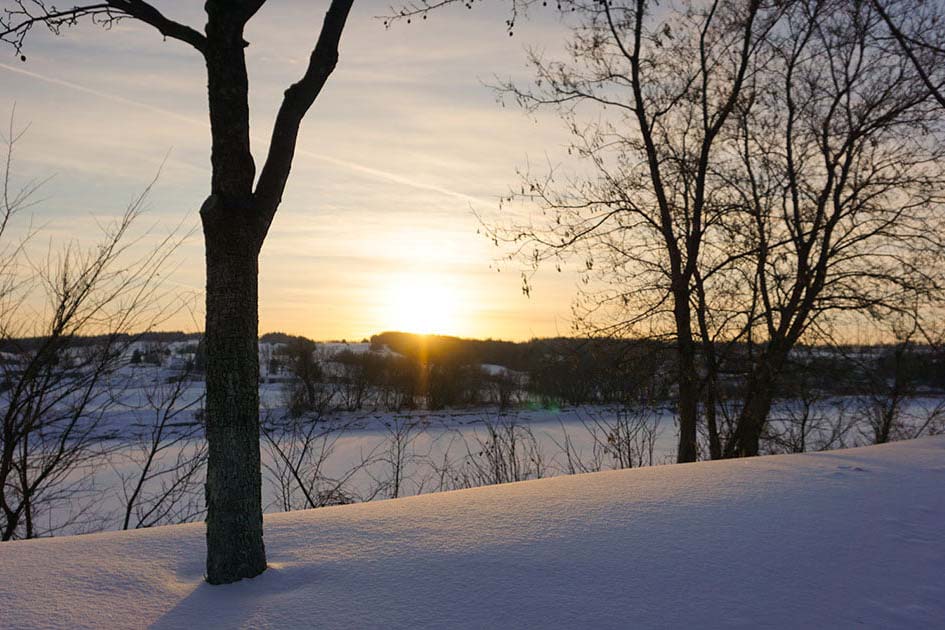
[
  {"x": 918, "y": 32},
  {"x": 758, "y": 172}
]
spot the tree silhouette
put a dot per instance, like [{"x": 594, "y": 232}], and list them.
[
  {"x": 758, "y": 175},
  {"x": 236, "y": 217}
]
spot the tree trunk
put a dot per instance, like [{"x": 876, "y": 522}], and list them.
[
  {"x": 688, "y": 409},
  {"x": 688, "y": 402},
  {"x": 235, "y": 221},
  {"x": 754, "y": 414},
  {"x": 750, "y": 425},
  {"x": 711, "y": 418},
  {"x": 710, "y": 399},
  {"x": 235, "y": 547}
]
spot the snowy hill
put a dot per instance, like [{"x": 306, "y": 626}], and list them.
[{"x": 839, "y": 539}]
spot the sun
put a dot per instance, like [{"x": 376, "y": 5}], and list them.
[{"x": 420, "y": 303}]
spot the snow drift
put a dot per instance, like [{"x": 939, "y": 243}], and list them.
[{"x": 838, "y": 539}]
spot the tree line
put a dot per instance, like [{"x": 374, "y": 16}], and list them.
[{"x": 404, "y": 371}]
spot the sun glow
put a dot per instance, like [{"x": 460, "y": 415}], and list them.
[{"x": 420, "y": 303}]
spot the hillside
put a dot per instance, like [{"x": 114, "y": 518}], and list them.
[{"x": 839, "y": 539}]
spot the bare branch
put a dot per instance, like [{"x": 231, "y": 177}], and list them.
[
  {"x": 296, "y": 103},
  {"x": 17, "y": 22}
]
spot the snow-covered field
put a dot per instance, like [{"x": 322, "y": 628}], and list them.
[
  {"x": 357, "y": 448},
  {"x": 843, "y": 539},
  {"x": 359, "y": 455}
]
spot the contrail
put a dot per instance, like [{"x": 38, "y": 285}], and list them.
[
  {"x": 104, "y": 95},
  {"x": 353, "y": 166}
]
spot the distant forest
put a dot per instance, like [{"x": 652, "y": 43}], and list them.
[
  {"x": 608, "y": 370},
  {"x": 405, "y": 370}
]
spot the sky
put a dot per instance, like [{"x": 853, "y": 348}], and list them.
[{"x": 404, "y": 147}]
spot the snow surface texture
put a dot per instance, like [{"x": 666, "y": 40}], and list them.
[{"x": 838, "y": 539}]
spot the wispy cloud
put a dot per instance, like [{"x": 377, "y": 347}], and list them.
[
  {"x": 404, "y": 142},
  {"x": 359, "y": 168}
]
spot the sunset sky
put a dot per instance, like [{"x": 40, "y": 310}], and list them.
[{"x": 377, "y": 229}]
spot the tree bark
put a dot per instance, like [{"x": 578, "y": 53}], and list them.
[
  {"x": 688, "y": 409},
  {"x": 688, "y": 383},
  {"x": 754, "y": 414},
  {"x": 711, "y": 418},
  {"x": 235, "y": 547},
  {"x": 230, "y": 221}
]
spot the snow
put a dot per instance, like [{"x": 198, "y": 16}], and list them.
[
  {"x": 498, "y": 370},
  {"x": 838, "y": 539}
]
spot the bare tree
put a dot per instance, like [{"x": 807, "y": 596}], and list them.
[
  {"x": 670, "y": 81},
  {"x": 307, "y": 392},
  {"x": 809, "y": 423},
  {"x": 758, "y": 172},
  {"x": 576, "y": 461},
  {"x": 918, "y": 32},
  {"x": 506, "y": 451},
  {"x": 299, "y": 450},
  {"x": 166, "y": 456},
  {"x": 399, "y": 456},
  {"x": 506, "y": 387},
  {"x": 840, "y": 179},
  {"x": 56, "y": 378},
  {"x": 891, "y": 409},
  {"x": 626, "y": 437},
  {"x": 236, "y": 218}
]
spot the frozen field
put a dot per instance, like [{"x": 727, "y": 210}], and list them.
[
  {"x": 361, "y": 454},
  {"x": 350, "y": 457}
]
